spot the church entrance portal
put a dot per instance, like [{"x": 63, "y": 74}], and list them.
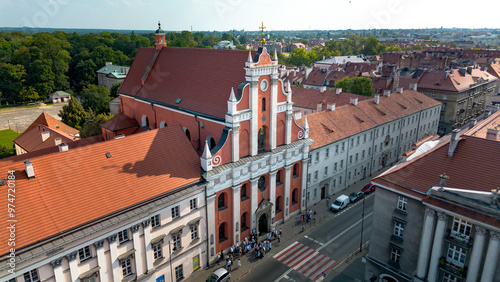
[{"x": 263, "y": 224}]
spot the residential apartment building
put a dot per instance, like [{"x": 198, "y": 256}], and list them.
[
  {"x": 463, "y": 93},
  {"x": 437, "y": 217},
  {"x": 356, "y": 140},
  {"x": 104, "y": 212}
]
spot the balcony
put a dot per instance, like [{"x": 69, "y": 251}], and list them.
[
  {"x": 460, "y": 271},
  {"x": 458, "y": 239}
]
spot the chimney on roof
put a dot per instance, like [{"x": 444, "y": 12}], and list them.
[
  {"x": 63, "y": 147},
  {"x": 376, "y": 99},
  {"x": 338, "y": 91},
  {"x": 492, "y": 134},
  {"x": 45, "y": 135},
  {"x": 354, "y": 101},
  {"x": 108, "y": 63},
  {"x": 413, "y": 86},
  {"x": 330, "y": 106},
  {"x": 446, "y": 73},
  {"x": 387, "y": 93},
  {"x": 455, "y": 134},
  {"x": 57, "y": 141},
  {"x": 319, "y": 107},
  {"x": 28, "y": 167},
  {"x": 322, "y": 89},
  {"x": 399, "y": 90},
  {"x": 469, "y": 70},
  {"x": 472, "y": 123}
]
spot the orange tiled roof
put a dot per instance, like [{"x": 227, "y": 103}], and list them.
[
  {"x": 481, "y": 129},
  {"x": 119, "y": 122},
  {"x": 31, "y": 140},
  {"x": 79, "y": 186},
  {"x": 316, "y": 77},
  {"x": 330, "y": 126},
  {"x": 309, "y": 98},
  {"x": 473, "y": 166},
  {"x": 51, "y": 122},
  {"x": 458, "y": 81}
]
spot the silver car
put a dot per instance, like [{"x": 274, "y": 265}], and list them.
[{"x": 219, "y": 275}]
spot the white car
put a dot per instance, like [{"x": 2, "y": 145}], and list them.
[
  {"x": 219, "y": 275},
  {"x": 341, "y": 202}
]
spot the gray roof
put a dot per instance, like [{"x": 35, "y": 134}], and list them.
[
  {"x": 59, "y": 94},
  {"x": 342, "y": 60},
  {"x": 116, "y": 71}
]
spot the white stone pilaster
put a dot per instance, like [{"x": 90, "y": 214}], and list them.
[
  {"x": 73, "y": 266},
  {"x": 138, "y": 249},
  {"x": 113, "y": 251},
  {"x": 58, "y": 272},
  {"x": 425, "y": 244},
  {"x": 288, "y": 176},
  {"x": 272, "y": 193},
  {"x": 254, "y": 122},
  {"x": 288, "y": 138},
  {"x": 211, "y": 224},
  {"x": 101, "y": 261},
  {"x": 490, "y": 264},
  {"x": 437, "y": 247},
  {"x": 477, "y": 252},
  {"x": 303, "y": 192},
  {"x": 273, "y": 110},
  {"x": 235, "y": 132},
  {"x": 236, "y": 213},
  {"x": 147, "y": 243},
  {"x": 254, "y": 197}
]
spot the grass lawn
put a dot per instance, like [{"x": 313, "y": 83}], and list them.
[{"x": 6, "y": 138}]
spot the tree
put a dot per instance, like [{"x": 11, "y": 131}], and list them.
[
  {"x": 29, "y": 95},
  {"x": 92, "y": 125},
  {"x": 357, "y": 85},
  {"x": 12, "y": 78},
  {"x": 114, "y": 89},
  {"x": 73, "y": 114},
  {"x": 95, "y": 97}
]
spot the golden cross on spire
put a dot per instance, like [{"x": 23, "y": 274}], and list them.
[{"x": 262, "y": 40}]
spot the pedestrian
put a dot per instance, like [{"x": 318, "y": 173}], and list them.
[
  {"x": 239, "y": 263},
  {"x": 280, "y": 231},
  {"x": 279, "y": 237},
  {"x": 218, "y": 259}
]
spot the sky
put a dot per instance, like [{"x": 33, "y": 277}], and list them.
[{"x": 223, "y": 15}]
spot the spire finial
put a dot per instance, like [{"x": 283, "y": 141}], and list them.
[
  {"x": 288, "y": 88},
  {"x": 275, "y": 55},
  {"x": 249, "y": 60},
  {"x": 159, "y": 25},
  {"x": 232, "y": 97}
]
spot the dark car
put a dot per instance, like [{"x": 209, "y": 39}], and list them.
[
  {"x": 369, "y": 188},
  {"x": 354, "y": 196}
]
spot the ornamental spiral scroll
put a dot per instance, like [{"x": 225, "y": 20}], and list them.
[
  {"x": 216, "y": 161},
  {"x": 300, "y": 135}
]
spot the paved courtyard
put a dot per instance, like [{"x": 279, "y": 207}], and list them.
[{"x": 18, "y": 119}]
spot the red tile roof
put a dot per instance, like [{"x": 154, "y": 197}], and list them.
[
  {"x": 480, "y": 130},
  {"x": 119, "y": 122},
  {"x": 201, "y": 78},
  {"x": 50, "y": 121},
  {"x": 31, "y": 140},
  {"x": 309, "y": 98},
  {"x": 79, "y": 186},
  {"x": 330, "y": 126},
  {"x": 316, "y": 77},
  {"x": 458, "y": 81},
  {"x": 473, "y": 166}
]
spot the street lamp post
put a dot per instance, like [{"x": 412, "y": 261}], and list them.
[
  {"x": 170, "y": 258},
  {"x": 362, "y": 221}
]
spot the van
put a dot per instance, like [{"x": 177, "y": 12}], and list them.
[{"x": 340, "y": 203}]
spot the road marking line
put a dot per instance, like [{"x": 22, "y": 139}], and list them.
[
  {"x": 286, "y": 250},
  {"x": 292, "y": 255},
  {"x": 314, "y": 240}
]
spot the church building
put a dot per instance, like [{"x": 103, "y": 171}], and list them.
[{"x": 238, "y": 116}]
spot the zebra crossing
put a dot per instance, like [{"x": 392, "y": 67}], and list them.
[{"x": 305, "y": 260}]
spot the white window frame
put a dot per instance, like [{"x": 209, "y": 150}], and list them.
[
  {"x": 179, "y": 273},
  {"x": 193, "y": 204},
  {"x": 447, "y": 277},
  {"x": 456, "y": 255},
  {"x": 177, "y": 241},
  {"x": 461, "y": 229},
  {"x": 402, "y": 203},
  {"x": 84, "y": 253},
  {"x": 32, "y": 276},
  {"x": 194, "y": 231},
  {"x": 126, "y": 266},
  {"x": 327, "y": 152},
  {"x": 158, "y": 250},
  {"x": 124, "y": 236},
  {"x": 155, "y": 221},
  {"x": 175, "y": 212},
  {"x": 399, "y": 228},
  {"x": 395, "y": 255}
]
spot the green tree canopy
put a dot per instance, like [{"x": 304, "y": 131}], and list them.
[
  {"x": 357, "y": 85},
  {"x": 92, "y": 125},
  {"x": 73, "y": 114},
  {"x": 12, "y": 78},
  {"x": 29, "y": 94},
  {"x": 95, "y": 97}
]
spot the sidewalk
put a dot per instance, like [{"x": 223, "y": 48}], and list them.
[{"x": 292, "y": 231}]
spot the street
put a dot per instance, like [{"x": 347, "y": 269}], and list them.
[{"x": 321, "y": 250}]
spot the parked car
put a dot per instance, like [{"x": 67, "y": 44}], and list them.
[
  {"x": 219, "y": 275},
  {"x": 369, "y": 188},
  {"x": 354, "y": 196},
  {"x": 341, "y": 202}
]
